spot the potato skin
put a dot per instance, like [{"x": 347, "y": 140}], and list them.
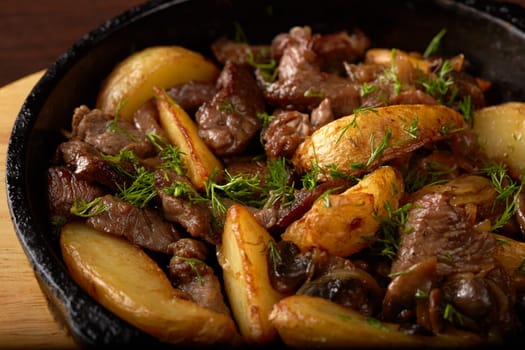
[
  {"x": 343, "y": 224},
  {"x": 313, "y": 322},
  {"x": 243, "y": 257},
  {"x": 492, "y": 123},
  {"x": 181, "y": 130},
  {"x": 129, "y": 84},
  {"x": 353, "y": 144},
  {"x": 124, "y": 279}
]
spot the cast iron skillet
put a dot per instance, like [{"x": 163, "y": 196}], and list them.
[{"x": 491, "y": 35}]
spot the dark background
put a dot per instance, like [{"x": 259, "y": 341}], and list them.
[{"x": 33, "y": 33}]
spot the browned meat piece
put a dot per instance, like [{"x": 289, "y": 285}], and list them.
[
  {"x": 191, "y": 95},
  {"x": 249, "y": 166},
  {"x": 305, "y": 90},
  {"x": 196, "y": 218},
  {"x": 285, "y": 133},
  {"x": 226, "y": 50},
  {"x": 442, "y": 255},
  {"x": 108, "y": 134},
  {"x": 229, "y": 122},
  {"x": 63, "y": 188},
  {"x": 88, "y": 164},
  {"x": 302, "y": 84},
  {"x": 146, "y": 119},
  {"x": 321, "y": 115},
  {"x": 190, "y": 273},
  {"x": 325, "y": 52},
  {"x": 144, "y": 227},
  {"x": 334, "y": 49}
]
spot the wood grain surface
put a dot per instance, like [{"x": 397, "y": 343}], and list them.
[
  {"x": 25, "y": 320},
  {"x": 34, "y": 33}
]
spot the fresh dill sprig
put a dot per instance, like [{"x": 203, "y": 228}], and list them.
[
  {"x": 434, "y": 44},
  {"x": 439, "y": 87},
  {"x": 85, "y": 209},
  {"x": 277, "y": 182},
  {"x": 170, "y": 155},
  {"x": 273, "y": 254},
  {"x": 391, "y": 224},
  {"x": 507, "y": 190},
  {"x": 181, "y": 189},
  {"x": 377, "y": 151},
  {"x": 466, "y": 109},
  {"x": 141, "y": 191},
  {"x": 193, "y": 262}
]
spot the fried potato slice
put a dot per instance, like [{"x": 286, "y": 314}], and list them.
[
  {"x": 125, "y": 280},
  {"x": 346, "y": 223},
  {"x": 243, "y": 257},
  {"x": 182, "y": 132},
  {"x": 129, "y": 84},
  {"x": 360, "y": 142},
  {"x": 501, "y": 133},
  {"x": 304, "y": 321}
]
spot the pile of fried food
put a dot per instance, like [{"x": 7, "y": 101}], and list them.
[{"x": 312, "y": 192}]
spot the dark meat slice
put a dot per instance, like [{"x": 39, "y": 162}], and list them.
[
  {"x": 248, "y": 166},
  {"x": 190, "y": 273},
  {"x": 144, "y": 227},
  {"x": 438, "y": 229},
  {"x": 146, "y": 119},
  {"x": 324, "y": 52},
  {"x": 286, "y": 131},
  {"x": 334, "y": 49},
  {"x": 88, "y": 164},
  {"x": 302, "y": 84},
  {"x": 322, "y": 114},
  {"x": 64, "y": 188},
  {"x": 195, "y": 218},
  {"x": 226, "y": 50},
  {"x": 306, "y": 89},
  {"x": 229, "y": 121},
  {"x": 191, "y": 95},
  {"x": 108, "y": 134},
  {"x": 441, "y": 252}
]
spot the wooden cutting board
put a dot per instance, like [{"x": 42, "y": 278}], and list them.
[{"x": 25, "y": 320}]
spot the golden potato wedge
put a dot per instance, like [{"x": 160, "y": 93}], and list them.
[
  {"x": 129, "y": 85},
  {"x": 125, "y": 280},
  {"x": 344, "y": 224},
  {"x": 243, "y": 257},
  {"x": 312, "y": 322},
  {"x": 501, "y": 133},
  {"x": 182, "y": 132},
  {"x": 360, "y": 142}
]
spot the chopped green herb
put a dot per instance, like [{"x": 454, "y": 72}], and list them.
[
  {"x": 193, "y": 262},
  {"x": 141, "y": 191},
  {"x": 376, "y": 152},
  {"x": 434, "y": 44},
  {"x": 452, "y": 315},
  {"x": 87, "y": 209}
]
